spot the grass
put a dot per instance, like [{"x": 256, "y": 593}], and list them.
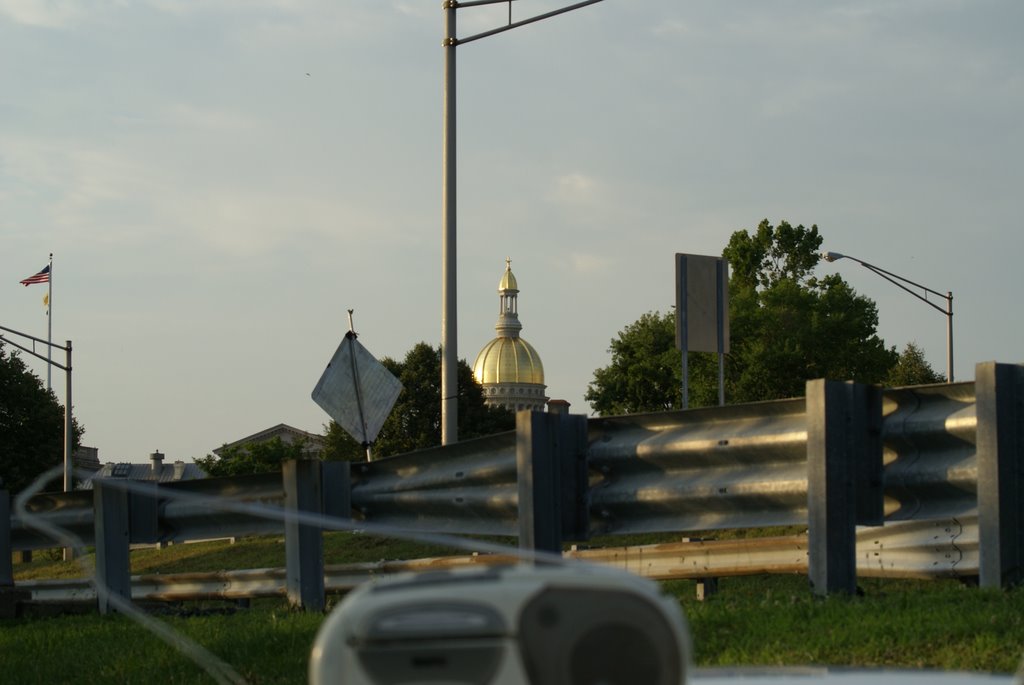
[
  {"x": 907, "y": 624},
  {"x": 750, "y": 621}
]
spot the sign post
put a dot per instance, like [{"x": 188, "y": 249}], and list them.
[{"x": 702, "y": 313}]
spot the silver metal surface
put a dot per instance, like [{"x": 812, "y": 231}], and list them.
[
  {"x": 449, "y": 274},
  {"x": 735, "y": 467},
  {"x": 904, "y": 550},
  {"x": 738, "y": 466},
  {"x": 469, "y": 487},
  {"x": 929, "y": 450},
  {"x": 699, "y": 470},
  {"x": 357, "y": 391}
]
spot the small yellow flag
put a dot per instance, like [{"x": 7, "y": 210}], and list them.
[{"x": 46, "y": 300}]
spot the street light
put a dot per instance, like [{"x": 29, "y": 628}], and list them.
[
  {"x": 899, "y": 281},
  {"x": 68, "y": 424},
  {"x": 449, "y": 302}
]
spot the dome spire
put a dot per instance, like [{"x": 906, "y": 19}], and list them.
[{"x": 508, "y": 307}]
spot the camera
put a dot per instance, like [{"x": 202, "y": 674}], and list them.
[{"x": 557, "y": 624}]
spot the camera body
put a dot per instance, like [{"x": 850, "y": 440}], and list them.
[{"x": 564, "y": 624}]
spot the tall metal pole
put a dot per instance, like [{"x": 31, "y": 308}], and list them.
[
  {"x": 949, "y": 335},
  {"x": 449, "y": 302},
  {"x": 49, "y": 324},
  {"x": 68, "y": 433}
]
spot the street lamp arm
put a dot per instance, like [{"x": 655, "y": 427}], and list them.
[
  {"x": 895, "y": 280},
  {"x": 898, "y": 281},
  {"x": 517, "y": 24},
  {"x": 36, "y": 354},
  {"x": 68, "y": 421}
]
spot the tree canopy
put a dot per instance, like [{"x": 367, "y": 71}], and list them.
[
  {"x": 912, "y": 369},
  {"x": 256, "y": 457},
  {"x": 31, "y": 425},
  {"x": 786, "y": 327},
  {"x": 415, "y": 421},
  {"x": 645, "y": 371}
]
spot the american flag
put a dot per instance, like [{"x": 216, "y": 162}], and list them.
[{"x": 41, "y": 277}]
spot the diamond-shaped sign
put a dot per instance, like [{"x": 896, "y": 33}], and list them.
[{"x": 357, "y": 391}]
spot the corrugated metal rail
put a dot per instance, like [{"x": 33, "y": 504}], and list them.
[
  {"x": 841, "y": 456},
  {"x": 730, "y": 467},
  {"x": 906, "y": 550}
]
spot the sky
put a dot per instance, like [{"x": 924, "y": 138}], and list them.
[{"x": 219, "y": 181}]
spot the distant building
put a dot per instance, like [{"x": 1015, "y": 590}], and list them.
[
  {"x": 156, "y": 471},
  {"x": 86, "y": 458},
  {"x": 313, "y": 444},
  {"x": 508, "y": 368}
]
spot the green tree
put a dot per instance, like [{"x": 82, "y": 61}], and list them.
[
  {"x": 912, "y": 369},
  {"x": 256, "y": 457},
  {"x": 786, "y": 326},
  {"x": 415, "y": 421},
  {"x": 31, "y": 425},
  {"x": 644, "y": 373}
]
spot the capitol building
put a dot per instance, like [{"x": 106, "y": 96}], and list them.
[{"x": 508, "y": 368}]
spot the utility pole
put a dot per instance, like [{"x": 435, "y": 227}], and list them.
[{"x": 449, "y": 299}]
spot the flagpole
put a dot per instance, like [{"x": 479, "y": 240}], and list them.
[{"x": 49, "y": 326}]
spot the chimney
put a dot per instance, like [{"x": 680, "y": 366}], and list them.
[
  {"x": 558, "y": 407},
  {"x": 156, "y": 464}
]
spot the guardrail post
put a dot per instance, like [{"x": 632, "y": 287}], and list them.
[
  {"x": 303, "y": 542},
  {"x": 574, "y": 488},
  {"x": 6, "y": 566},
  {"x": 336, "y": 479},
  {"x": 143, "y": 508},
  {"x": 113, "y": 567},
  {"x": 844, "y": 478},
  {"x": 10, "y": 596},
  {"x": 999, "y": 407},
  {"x": 552, "y": 479}
]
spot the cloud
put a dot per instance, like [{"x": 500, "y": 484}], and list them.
[
  {"x": 574, "y": 188},
  {"x": 50, "y": 14},
  {"x": 585, "y": 264},
  {"x": 213, "y": 120},
  {"x": 247, "y": 222},
  {"x": 673, "y": 28}
]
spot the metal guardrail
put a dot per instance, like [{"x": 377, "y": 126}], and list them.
[
  {"x": 739, "y": 466},
  {"x": 922, "y": 550},
  {"x": 469, "y": 488},
  {"x": 164, "y": 518},
  {"x": 930, "y": 452},
  {"x": 845, "y": 454}
]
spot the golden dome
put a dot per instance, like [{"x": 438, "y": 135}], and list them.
[{"x": 508, "y": 359}]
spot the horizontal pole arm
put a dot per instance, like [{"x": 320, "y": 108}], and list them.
[
  {"x": 30, "y": 337},
  {"x": 476, "y": 3},
  {"x": 895, "y": 280},
  {"x": 34, "y": 353},
  {"x": 517, "y": 24}
]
